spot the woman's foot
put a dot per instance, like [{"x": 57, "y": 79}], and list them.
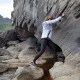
[{"x": 34, "y": 64}]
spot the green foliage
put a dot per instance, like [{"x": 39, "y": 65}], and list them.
[
  {"x": 5, "y": 24},
  {"x": 5, "y": 27}
]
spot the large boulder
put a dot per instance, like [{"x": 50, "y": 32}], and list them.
[
  {"x": 22, "y": 49},
  {"x": 70, "y": 77},
  {"x": 6, "y": 36},
  {"x": 28, "y": 73},
  {"x": 60, "y": 70},
  {"x": 9, "y": 35}
]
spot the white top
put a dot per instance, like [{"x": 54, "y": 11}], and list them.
[{"x": 47, "y": 27}]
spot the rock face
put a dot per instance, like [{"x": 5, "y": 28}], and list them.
[
  {"x": 28, "y": 15},
  {"x": 7, "y": 36}
]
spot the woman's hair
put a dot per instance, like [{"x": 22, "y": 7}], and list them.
[{"x": 49, "y": 18}]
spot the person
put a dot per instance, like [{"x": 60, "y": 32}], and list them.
[{"x": 46, "y": 36}]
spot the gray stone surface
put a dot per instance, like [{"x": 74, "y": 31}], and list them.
[
  {"x": 60, "y": 70},
  {"x": 28, "y": 73},
  {"x": 8, "y": 75},
  {"x": 6, "y": 36},
  {"x": 28, "y": 15},
  {"x": 4, "y": 54},
  {"x": 3, "y": 67}
]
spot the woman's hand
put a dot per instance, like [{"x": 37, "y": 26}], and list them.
[{"x": 63, "y": 15}]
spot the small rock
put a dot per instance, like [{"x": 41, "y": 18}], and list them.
[
  {"x": 11, "y": 61},
  {"x": 3, "y": 67}
]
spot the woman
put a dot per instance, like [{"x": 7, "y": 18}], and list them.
[{"x": 46, "y": 36}]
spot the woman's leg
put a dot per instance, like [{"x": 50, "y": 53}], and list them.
[
  {"x": 58, "y": 56},
  {"x": 51, "y": 45},
  {"x": 43, "y": 47}
]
